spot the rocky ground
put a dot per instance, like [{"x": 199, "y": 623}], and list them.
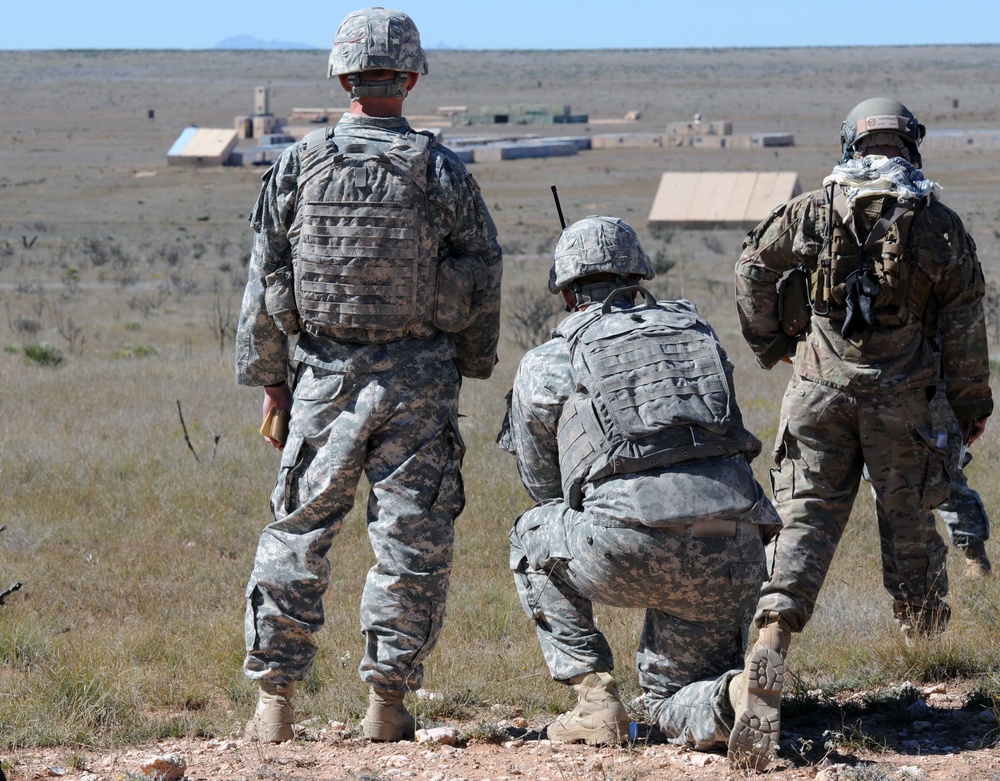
[{"x": 896, "y": 735}]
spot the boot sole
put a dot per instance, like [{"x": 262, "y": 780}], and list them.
[{"x": 758, "y": 720}]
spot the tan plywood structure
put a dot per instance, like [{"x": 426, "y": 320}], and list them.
[
  {"x": 720, "y": 199},
  {"x": 202, "y": 146}
]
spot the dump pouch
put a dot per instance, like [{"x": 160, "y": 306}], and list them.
[{"x": 793, "y": 302}]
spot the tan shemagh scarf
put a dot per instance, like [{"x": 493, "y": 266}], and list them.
[{"x": 876, "y": 175}]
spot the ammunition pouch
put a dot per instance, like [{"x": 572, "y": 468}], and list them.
[{"x": 793, "y": 302}]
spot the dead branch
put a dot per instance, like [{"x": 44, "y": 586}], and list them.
[
  {"x": 186, "y": 437},
  {"x": 7, "y": 592}
]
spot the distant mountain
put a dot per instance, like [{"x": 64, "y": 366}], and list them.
[{"x": 249, "y": 42}]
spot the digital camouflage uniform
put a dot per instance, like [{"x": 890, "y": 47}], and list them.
[
  {"x": 627, "y": 539},
  {"x": 382, "y": 402},
  {"x": 864, "y": 399}
]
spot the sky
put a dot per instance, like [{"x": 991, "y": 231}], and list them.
[{"x": 508, "y": 24}]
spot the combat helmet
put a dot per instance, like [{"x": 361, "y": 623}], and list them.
[
  {"x": 377, "y": 39},
  {"x": 877, "y": 116},
  {"x": 598, "y": 245}
]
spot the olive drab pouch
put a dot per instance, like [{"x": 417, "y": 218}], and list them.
[
  {"x": 793, "y": 302},
  {"x": 459, "y": 290}
]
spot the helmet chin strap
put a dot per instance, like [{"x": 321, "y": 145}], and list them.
[{"x": 391, "y": 88}]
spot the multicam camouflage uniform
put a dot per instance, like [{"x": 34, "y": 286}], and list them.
[
  {"x": 382, "y": 403},
  {"x": 863, "y": 398},
  {"x": 629, "y": 538}
]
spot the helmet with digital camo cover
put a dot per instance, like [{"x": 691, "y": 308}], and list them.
[
  {"x": 377, "y": 39},
  {"x": 881, "y": 122},
  {"x": 598, "y": 245}
]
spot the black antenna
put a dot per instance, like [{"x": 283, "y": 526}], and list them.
[{"x": 555, "y": 197}]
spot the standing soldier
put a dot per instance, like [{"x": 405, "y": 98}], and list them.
[
  {"x": 858, "y": 285},
  {"x": 373, "y": 245},
  {"x": 628, "y": 435}
]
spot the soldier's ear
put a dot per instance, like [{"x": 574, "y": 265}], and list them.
[
  {"x": 570, "y": 299},
  {"x": 344, "y": 82},
  {"x": 411, "y": 81}
]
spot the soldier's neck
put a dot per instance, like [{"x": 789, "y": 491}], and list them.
[{"x": 377, "y": 107}]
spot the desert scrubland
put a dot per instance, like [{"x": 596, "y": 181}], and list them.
[{"x": 120, "y": 283}]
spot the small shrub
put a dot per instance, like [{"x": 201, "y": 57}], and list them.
[
  {"x": 486, "y": 732},
  {"x": 127, "y": 351},
  {"x": 133, "y": 326},
  {"x": 25, "y": 326},
  {"x": 43, "y": 354}
]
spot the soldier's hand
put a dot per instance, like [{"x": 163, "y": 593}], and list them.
[{"x": 975, "y": 430}]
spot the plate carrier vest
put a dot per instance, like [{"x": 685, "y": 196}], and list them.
[
  {"x": 365, "y": 262},
  {"x": 652, "y": 391}
]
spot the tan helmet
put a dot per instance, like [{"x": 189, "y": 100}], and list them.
[
  {"x": 877, "y": 116},
  {"x": 597, "y": 245},
  {"x": 377, "y": 39}
]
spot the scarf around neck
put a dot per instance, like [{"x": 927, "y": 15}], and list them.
[{"x": 876, "y": 175}]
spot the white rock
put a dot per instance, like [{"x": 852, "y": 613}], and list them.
[
  {"x": 55, "y": 770},
  {"x": 937, "y": 688},
  {"x": 701, "y": 759},
  {"x": 427, "y": 694},
  {"x": 446, "y": 736},
  {"x": 170, "y": 767},
  {"x": 516, "y": 743},
  {"x": 831, "y": 773},
  {"x": 912, "y": 773}
]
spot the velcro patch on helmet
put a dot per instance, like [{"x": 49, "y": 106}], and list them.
[{"x": 881, "y": 122}]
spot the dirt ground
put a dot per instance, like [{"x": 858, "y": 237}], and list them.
[
  {"x": 864, "y": 736},
  {"x": 334, "y": 758}
]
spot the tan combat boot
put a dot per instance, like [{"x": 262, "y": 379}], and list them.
[
  {"x": 387, "y": 718},
  {"x": 599, "y": 717},
  {"x": 977, "y": 565},
  {"x": 756, "y": 696},
  {"x": 272, "y": 721}
]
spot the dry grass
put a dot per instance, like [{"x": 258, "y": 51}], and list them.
[{"x": 134, "y": 554}]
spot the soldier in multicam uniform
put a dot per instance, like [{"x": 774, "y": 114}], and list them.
[
  {"x": 373, "y": 245},
  {"x": 628, "y": 435},
  {"x": 861, "y": 285}
]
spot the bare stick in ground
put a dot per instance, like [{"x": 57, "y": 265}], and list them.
[
  {"x": 7, "y": 592},
  {"x": 185, "y": 429}
]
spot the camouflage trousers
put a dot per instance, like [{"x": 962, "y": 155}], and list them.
[
  {"x": 400, "y": 428},
  {"x": 698, "y": 595},
  {"x": 825, "y": 438},
  {"x": 963, "y": 513}
]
